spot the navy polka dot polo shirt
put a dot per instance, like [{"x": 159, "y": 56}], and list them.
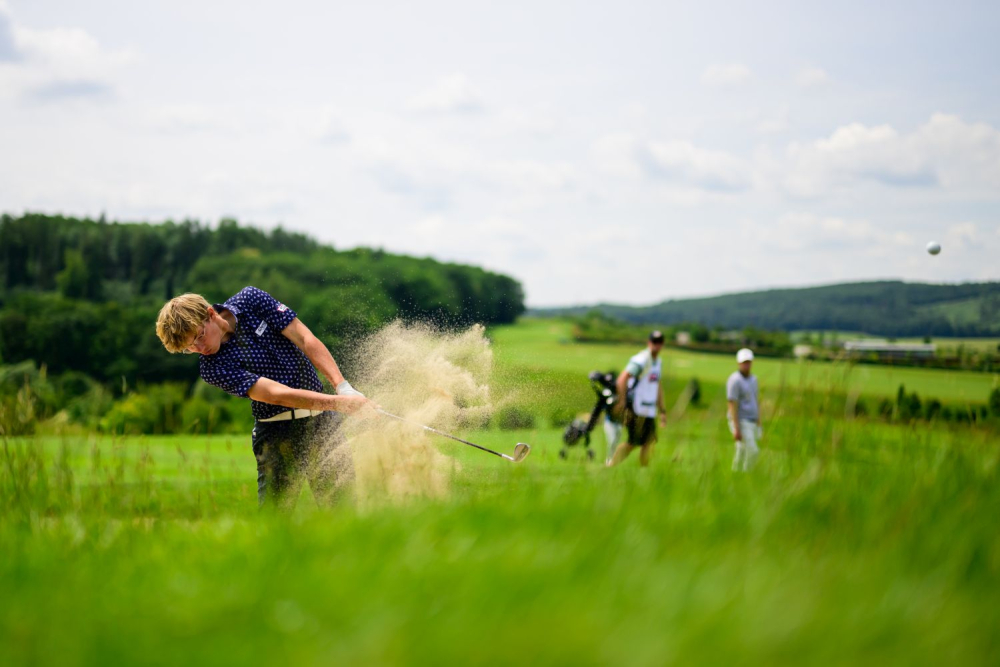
[{"x": 258, "y": 349}]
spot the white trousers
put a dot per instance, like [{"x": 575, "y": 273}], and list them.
[
  {"x": 612, "y": 433},
  {"x": 746, "y": 449}
]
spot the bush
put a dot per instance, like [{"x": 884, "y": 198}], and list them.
[
  {"x": 513, "y": 417},
  {"x": 860, "y": 408},
  {"x": 155, "y": 409},
  {"x": 89, "y": 408},
  {"x": 18, "y": 414},
  {"x": 994, "y": 402},
  {"x": 72, "y": 385},
  {"x": 908, "y": 406},
  {"x": 35, "y": 385},
  {"x": 200, "y": 416},
  {"x": 694, "y": 391},
  {"x": 132, "y": 415},
  {"x": 561, "y": 416}
]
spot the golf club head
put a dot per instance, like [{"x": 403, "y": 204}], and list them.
[{"x": 521, "y": 450}]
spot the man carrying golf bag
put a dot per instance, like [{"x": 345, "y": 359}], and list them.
[{"x": 640, "y": 398}]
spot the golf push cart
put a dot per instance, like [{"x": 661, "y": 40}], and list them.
[{"x": 603, "y": 385}]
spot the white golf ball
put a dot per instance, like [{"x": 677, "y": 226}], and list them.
[{"x": 933, "y": 247}]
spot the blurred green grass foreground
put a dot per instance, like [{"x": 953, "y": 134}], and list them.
[{"x": 854, "y": 541}]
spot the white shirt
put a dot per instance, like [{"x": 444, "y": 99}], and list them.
[{"x": 647, "y": 390}]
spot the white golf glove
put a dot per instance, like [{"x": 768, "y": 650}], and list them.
[{"x": 345, "y": 389}]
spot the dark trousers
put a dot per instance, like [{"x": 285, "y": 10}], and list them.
[
  {"x": 289, "y": 451},
  {"x": 641, "y": 430}
]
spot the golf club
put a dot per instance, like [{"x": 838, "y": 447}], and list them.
[{"x": 521, "y": 449}]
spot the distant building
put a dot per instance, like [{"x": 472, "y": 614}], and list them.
[
  {"x": 683, "y": 338},
  {"x": 801, "y": 350},
  {"x": 884, "y": 350}
]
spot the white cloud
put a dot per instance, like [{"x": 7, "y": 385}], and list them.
[
  {"x": 800, "y": 232},
  {"x": 332, "y": 129},
  {"x": 603, "y": 149},
  {"x": 775, "y": 124},
  {"x": 8, "y": 47},
  {"x": 511, "y": 241},
  {"x": 188, "y": 118},
  {"x": 532, "y": 175},
  {"x": 680, "y": 161},
  {"x": 678, "y": 164},
  {"x": 943, "y": 153},
  {"x": 732, "y": 74},
  {"x": 56, "y": 63},
  {"x": 451, "y": 94},
  {"x": 811, "y": 77},
  {"x": 522, "y": 121},
  {"x": 961, "y": 236}
]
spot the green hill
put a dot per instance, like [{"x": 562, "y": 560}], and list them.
[
  {"x": 886, "y": 308},
  {"x": 83, "y": 295}
]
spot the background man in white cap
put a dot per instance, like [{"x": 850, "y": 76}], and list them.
[{"x": 744, "y": 411}]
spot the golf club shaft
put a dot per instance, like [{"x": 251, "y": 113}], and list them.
[{"x": 442, "y": 433}]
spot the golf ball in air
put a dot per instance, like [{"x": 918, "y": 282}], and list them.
[{"x": 933, "y": 247}]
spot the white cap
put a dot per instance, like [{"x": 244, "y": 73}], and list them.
[{"x": 744, "y": 355}]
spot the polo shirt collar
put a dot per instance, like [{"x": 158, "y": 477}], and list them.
[{"x": 219, "y": 307}]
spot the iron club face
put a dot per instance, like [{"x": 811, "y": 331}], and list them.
[{"x": 521, "y": 451}]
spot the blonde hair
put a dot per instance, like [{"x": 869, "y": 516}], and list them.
[{"x": 179, "y": 319}]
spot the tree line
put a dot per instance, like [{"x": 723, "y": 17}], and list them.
[
  {"x": 82, "y": 295},
  {"x": 885, "y": 308}
]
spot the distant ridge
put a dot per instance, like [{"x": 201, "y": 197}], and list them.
[{"x": 886, "y": 308}]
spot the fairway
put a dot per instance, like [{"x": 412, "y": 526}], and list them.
[
  {"x": 545, "y": 346},
  {"x": 851, "y": 542}
]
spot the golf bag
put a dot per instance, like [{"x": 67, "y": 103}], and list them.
[{"x": 603, "y": 385}]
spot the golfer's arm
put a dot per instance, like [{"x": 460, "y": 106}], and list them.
[
  {"x": 732, "y": 413},
  {"x": 659, "y": 400},
  {"x": 275, "y": 393},
  {"x": 313, "y": 347}
]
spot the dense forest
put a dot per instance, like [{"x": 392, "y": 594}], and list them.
[
  {"x": 886, "y": 308},
  {"x": 82, "y": 295}
]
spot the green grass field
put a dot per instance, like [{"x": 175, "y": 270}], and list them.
[
  {"x": 851, "y": 542},
  {"x": 541, "y": 354}
]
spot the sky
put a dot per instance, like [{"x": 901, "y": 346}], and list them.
[{"x": 625, "y": 152}]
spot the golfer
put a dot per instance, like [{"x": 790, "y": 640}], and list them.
[
  {"x": 254, "y": 347},
  {"x": 744, "y": 411},
  {"x": 640, "y": 397}
]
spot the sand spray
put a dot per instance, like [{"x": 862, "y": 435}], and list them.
[{"x": 429, "y": 377}]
